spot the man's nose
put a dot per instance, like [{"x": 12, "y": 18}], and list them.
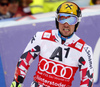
[{"x": 66, "y": 23}]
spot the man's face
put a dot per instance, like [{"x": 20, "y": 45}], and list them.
[
  {"x": 97, "y": 1},
  {"x": 13, "y": 7},
  {"x": 25, "y": 3},
  {"x": 4, "y": 7},
  {"x": 66, "y": 29}
]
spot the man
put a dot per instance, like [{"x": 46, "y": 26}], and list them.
[
  {"x": 61, "y": 52},
  {"x": 4, "y": 7},
  {"x": 23, "y": 9},
  {"x": 13, "y": 6}
]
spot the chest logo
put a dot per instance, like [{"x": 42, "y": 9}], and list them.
[
  {"x": 79, "y": 45},
  {"x": 47, "y": 35},
  {"x": 56, "y": 69}
]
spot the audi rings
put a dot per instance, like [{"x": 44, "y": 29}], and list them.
[{"x": 56, "y": 69}]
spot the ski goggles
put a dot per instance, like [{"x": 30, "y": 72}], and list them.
[{"x": 69, "y": 18}]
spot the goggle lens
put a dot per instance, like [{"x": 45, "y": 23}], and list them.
[{"x": 69, "y": 18}]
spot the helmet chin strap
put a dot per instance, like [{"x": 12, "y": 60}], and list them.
[{"x": 64, "y": 37}]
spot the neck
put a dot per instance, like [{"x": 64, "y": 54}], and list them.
[{"x": 64, "y": 37}]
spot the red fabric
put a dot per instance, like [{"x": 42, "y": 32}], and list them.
[{"x": 21, "y": 12}]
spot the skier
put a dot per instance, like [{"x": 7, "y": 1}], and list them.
[{"x": 61, "y": 53}]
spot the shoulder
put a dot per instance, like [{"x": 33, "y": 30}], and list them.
[
  {"x": 45, "y": 33},
  {"x": 48, "y": 33},
  {"x": 83, "y": 45},
  {"x": 76, "y": 43}
]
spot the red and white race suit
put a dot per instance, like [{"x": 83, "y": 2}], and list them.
[{"x": 58, "y": 62}]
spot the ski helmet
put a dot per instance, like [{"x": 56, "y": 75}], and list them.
[{"x": 69, "y": 8}]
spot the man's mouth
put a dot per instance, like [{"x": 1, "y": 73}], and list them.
[{"x": 66, "y": 29}]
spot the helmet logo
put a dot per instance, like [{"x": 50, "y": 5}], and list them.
[{"x": 69, "y": 6}]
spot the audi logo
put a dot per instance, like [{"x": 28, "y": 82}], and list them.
[{"x": 56, "y": 69}]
